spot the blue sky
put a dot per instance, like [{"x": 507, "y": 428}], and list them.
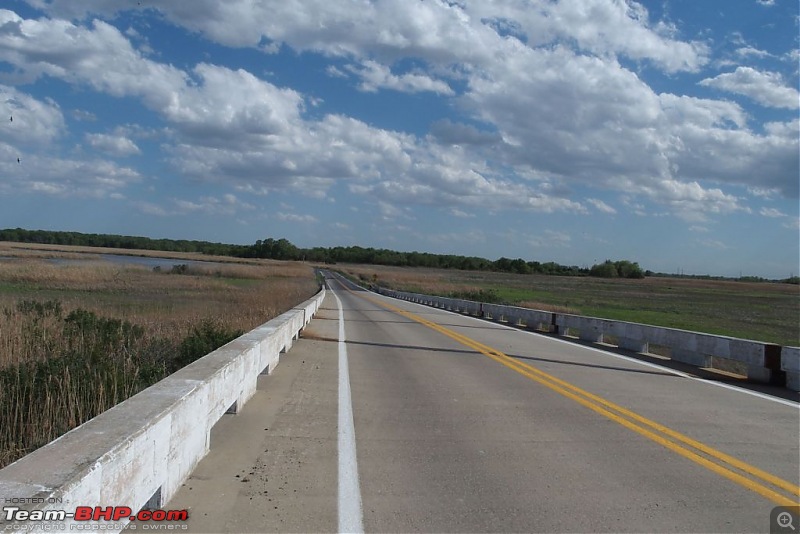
[{"x": 571, "y": 131}]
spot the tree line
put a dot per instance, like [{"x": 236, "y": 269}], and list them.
[
  {"x": 47, "y": 237},
  {"x": 283, "y": 249}
]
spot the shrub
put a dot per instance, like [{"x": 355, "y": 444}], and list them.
[
  {"x": 202, "y": 339},
  {"x": 179, "y": 269},
  {"x": 617, "y": 269},
  {"x": 85, "y": 364}
]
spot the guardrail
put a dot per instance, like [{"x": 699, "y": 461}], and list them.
[
  {"x": 765, "y": 362},
  {"x": 138, "y": 453}
]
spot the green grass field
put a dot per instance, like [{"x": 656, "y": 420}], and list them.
[{"x": 767, "y": 312}]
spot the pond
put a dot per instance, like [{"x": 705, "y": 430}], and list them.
[{"x": 122, "y": 259}]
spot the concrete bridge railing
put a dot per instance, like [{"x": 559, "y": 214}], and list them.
[
  {"x": 138, "y": 453},
  {"x": 765, "y": 362}
]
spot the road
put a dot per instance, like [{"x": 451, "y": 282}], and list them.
[{"x": 428, "y": 421}]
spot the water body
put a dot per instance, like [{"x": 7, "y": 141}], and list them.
[{"x": 121, "y": 259}]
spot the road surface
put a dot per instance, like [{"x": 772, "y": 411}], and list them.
[{"x": 428, "y": 421}]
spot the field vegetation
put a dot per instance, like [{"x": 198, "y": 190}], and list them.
[
  {"x": 760, "y": 311},
  {"x": 79, "y": 334}
]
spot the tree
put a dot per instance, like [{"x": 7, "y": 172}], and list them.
[{"x": 607, "y": 269}]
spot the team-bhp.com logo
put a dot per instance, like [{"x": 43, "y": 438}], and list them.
[{"x": 54, "y": 519}]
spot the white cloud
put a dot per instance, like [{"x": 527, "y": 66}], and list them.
[
  {"x": 455, "y": 212},
  {"x": 601, "y": 206},
  {"x": 749, "y": 51},
  {"x": 701, "y": 113},
  {"x": 692, "y": 202},
  {"x": 83, "y": 115},
  {"x": 335, "y": 72},
  {"x": 114, "y": 145},
  {"x": 228, "y": 204},
  {"x": 34, "y": 123},
  {"x": 392, "y": 211},
  {"x": 375, "y": 76},
  {"x": 766, "y": 88},
  {"x": 67, "y": 177},
  {"x": 558, "y": 112},
  {"x": 293, "y": 217},
  {"x": 100, "y": 57},
  {"x": 763, "y": 193},
  {"x": 438, "y": 32},
  {"x": 601, "y": 27},
  {"x": 772, "y": 213},
  {"x": 709, "y": 140},
  {"x": 793, "y": 224}
]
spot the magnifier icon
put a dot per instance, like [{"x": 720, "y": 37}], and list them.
[{"x": 785, "y": 520}]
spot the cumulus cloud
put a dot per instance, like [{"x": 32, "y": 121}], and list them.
[
  {"x": 66, "y": 177},
  {"x": 114, "y": 145},
  {"x": 766, "y": 88},
  {"x": 557, "y": 109},
  {"x": 100, "y": 57},
  {"x": 435, "y": 31},
  {"x": 601, "y": 27},
  {"x": 35, "y": 122},
  {"x": 375, "y": 76},
  {"x": 692, "y": 202}
]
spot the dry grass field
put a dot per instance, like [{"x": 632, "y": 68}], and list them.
[
  {"x": 241, "y": 294},
  {"x": 79, "y": 334},
  {"x": 761, "y": 311}
]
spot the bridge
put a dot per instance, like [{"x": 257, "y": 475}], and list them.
[{"x": 367, "y": 412}]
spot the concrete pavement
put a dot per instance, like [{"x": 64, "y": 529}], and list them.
[{"x": 453, "y": 438}]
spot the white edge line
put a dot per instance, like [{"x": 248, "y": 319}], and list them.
[
  {"x": 615, "y": 355},
  {"x": 349, "y": 494}
]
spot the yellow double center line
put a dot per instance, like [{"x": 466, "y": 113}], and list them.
[{"x": 750, "y": 477}]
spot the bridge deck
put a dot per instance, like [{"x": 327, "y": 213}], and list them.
[{"x": 451, "y": 436}]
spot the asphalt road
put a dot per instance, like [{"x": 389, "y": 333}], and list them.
[{"x": 461, "y": 425}]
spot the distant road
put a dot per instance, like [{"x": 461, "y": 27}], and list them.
[{"x": 461, "y": 425}]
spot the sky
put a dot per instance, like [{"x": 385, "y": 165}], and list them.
[{"x": 661, "y": 132}]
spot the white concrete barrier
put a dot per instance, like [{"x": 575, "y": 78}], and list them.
[
  {"x": 765, "y": 362},
  {"x": 139, "y": 452},
  {"x": 790, "y": 364},
  {"x": 695, "y": 348}
]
